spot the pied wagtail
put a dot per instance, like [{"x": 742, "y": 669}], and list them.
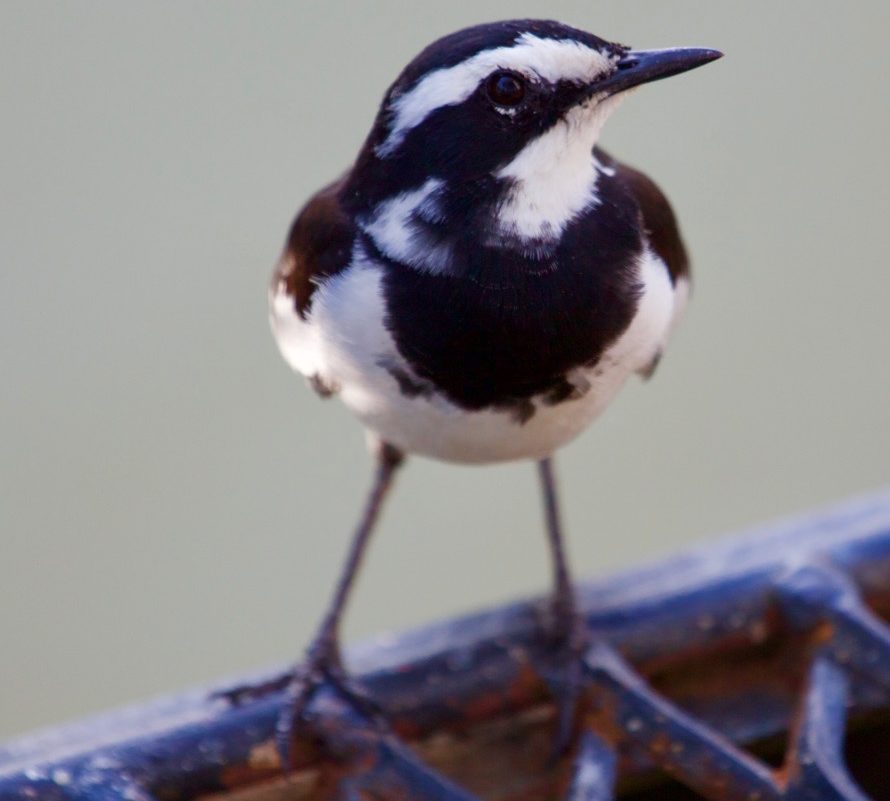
[{"x": 482, "y": 280}]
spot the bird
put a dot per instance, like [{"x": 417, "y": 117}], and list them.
[{"x": 481, "y": 282}]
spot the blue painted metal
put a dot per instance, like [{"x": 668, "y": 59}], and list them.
[
  {"x": 684, "y": 747},
  {"x": 595, "y": 770},
  {"x": 378, "y": 764},
  {"x": 776, "y": 633},
  {"x": 816, "y": 768}
]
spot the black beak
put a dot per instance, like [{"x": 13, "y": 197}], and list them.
[{"x": 637, "y": 67}]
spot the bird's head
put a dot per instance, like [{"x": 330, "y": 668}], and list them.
[{"x": 500, "y": 117}]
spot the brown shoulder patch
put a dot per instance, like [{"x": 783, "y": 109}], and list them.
[{"x": 319, "y": 245}]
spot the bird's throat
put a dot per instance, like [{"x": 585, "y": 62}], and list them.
[{"x": 554, "y": 177}]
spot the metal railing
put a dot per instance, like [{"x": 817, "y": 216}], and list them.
[{"x": 754, "y": 670}]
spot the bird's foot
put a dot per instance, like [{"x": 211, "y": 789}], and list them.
[
  {"x": 322, "y": 669},
  {"x": 563, "y": 670}
]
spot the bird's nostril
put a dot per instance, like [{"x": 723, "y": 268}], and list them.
[{"x": 627, "y": 63}]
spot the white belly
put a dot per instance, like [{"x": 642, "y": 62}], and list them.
[{"x": 344, "y": 341}]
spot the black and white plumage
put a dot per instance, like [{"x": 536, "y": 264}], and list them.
[
  {"x": 483, "y": 280},
  {"x": 479, "y": 292}
]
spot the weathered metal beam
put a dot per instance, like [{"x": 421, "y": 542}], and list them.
[{"x": 694, "y": 659}]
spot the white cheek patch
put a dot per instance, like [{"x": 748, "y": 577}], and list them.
[
  {"x": 555, "y": 175},
  {"x": 395, "y": 231},
  {"x": 546, "y": 59}
]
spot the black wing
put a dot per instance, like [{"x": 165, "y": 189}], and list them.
[{"x": 658, "y": 216}]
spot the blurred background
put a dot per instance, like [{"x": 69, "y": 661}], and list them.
[{"x": 174, "y": 502}]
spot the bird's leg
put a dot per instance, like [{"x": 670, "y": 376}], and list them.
[
  {"x": 567, "y": 630},
  {"x": 323, "y": 665}
]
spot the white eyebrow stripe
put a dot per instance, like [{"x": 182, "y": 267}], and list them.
[{"x": 549, "y": 59}]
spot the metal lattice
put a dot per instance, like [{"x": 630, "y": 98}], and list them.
[{"x": 732, "y": 674}]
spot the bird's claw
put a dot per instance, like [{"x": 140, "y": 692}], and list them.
[{"x": 322, "y": 670}]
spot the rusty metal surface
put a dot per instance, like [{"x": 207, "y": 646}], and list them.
[{"x": 754, "y": 670}]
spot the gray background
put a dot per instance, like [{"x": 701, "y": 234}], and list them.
[{"x": 174, "y": 502}]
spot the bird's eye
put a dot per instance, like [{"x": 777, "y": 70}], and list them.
[{"x": 506, "y": 89}]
